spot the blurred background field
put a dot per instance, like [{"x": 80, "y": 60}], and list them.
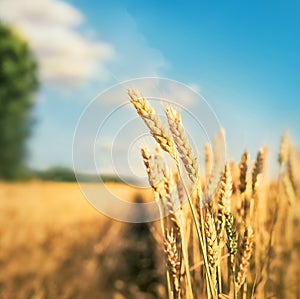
[{"x": 54, "y": 244}]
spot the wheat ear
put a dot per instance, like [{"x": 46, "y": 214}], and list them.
[
  {"x": 190, "y": 163},
  {"x": 173, "y": 261},
  {"x": 225, "y": 193},
  {"x": 227, "y": 218},
  {"x": 244, "y": 253},
  {"x": 155, "y": 173},
  {"x": 289, "y": 189},
  {"x": 217, "y": 169},
  {"x": 284, "y": 149},
  {"x": 243, "y": 172},
  {"x": 291, "y": 167},
  {"x": 211, "y": 245},
  {"x": 153, "y": 122},
  {"x": 183, "y": 146},
  {"x": 147, "y": 156},
  {"x": 156, "y": 181},
  {"x": 162, "y": 136},
  {"x": 257, "y": 170},
  {"x": 177, "y": 222},
  {"x": 287, "y": 173},
  {"x": 242, "y": 202}
]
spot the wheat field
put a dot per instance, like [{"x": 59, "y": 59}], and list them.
[
  {"x": 54, "y": 244},
  {"x": 228, "y": 231}
]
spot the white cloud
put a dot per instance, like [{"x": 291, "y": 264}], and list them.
[
  {"x": 66, "y": 56},
  {"x": 70, "y": 57}
]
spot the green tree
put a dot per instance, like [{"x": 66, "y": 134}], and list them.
[{"x": 18, "y": 82}]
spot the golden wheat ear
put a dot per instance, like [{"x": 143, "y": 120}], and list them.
[
  {"x": 244, "y": 256},
  {"x": 212, "y": 245},
  {"x": 243, "y": 172},
  {"x": 154, "y": 169},
  {"x": 157, "y": 128},
  {"x": 257, "y": 170},
  {"x": 173, "y": 261},
  {"x": 224, "y": 198},
  {"x": 183, "y": 146},
  {"x": 284, "y": 149},
  {"x": 212, "y": 186}
]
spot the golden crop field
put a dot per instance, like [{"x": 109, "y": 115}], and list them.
[
  {"x": 54, "y": 244},
  {"x": 226, "y": 231}
]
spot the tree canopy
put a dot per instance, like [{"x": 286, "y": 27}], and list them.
[{"x": 18, "y": 82}]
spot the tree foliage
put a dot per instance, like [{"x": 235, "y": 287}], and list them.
[{"x": 18, "y": 82}]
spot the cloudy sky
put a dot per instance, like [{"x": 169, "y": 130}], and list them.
[{"x": 243, "y": 57}]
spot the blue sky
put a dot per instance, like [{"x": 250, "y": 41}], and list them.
[{"x": 242, "y": 56}]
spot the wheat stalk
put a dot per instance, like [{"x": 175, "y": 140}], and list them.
[{"x": 155, "y": 171}]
